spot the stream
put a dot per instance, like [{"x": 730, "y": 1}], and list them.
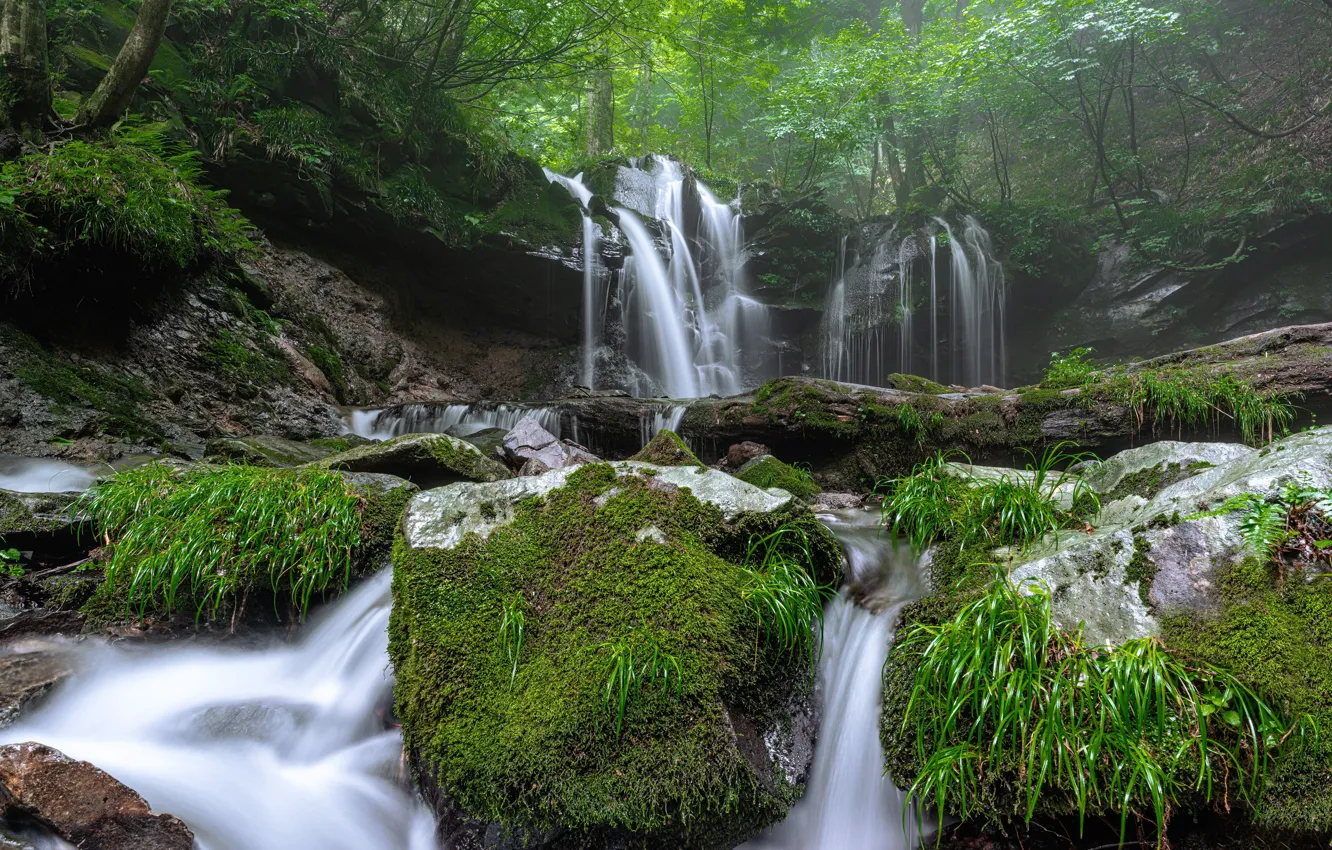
[{"x": 284, "y": 747}]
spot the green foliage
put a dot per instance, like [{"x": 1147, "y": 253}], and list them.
[
  {"x": 1000, "y": 692},
  {"x": 920, "y": 426},
  {"x": 782, "y": 591},
  {"x": 1198, "y": 399},
  {"x": 9, "y": 562},
  {"x": 245, "y": 361},
  {"x": 512, "y": 630},
  {"x": 941, "y": 500},
  {"x": 214, "y": 533},
  {"x": 1073, "y": 369},
  {"x": 134, "y": 193},
  {"x": 328, "y": 362},
  {"x": 629, "y": 663},
  {"x": 1290, "y": 527}
]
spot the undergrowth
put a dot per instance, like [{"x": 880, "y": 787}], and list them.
[
  {"x": 134, "y": 194},
  {"x": 782, "y": 592},
  {"x": 1003, "y": 699},
  {"x": 212, "y": 534},
  {"x": 943, "y": 500},
  {"x": 1292, "y": 527}
]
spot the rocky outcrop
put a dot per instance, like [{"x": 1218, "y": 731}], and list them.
[
  {"x": 1153, "y": 550},
  {"x": 263, "y": 450},
  {"x": 533, "y": 450},
  {"x": 628, "y": 561},
  {"x": 27, "y": 677},
  {"x": 81, "y": 804},
  {"x": 667, "y": 449},
  {"x": 427, "y": 460}
]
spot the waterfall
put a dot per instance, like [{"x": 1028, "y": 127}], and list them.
[
  {"x": 690, "y": 325},
  {"x": 875, "y": 296},
  {"x": 849, "y": 804},
  {"x": 459, "y": 420},
  {"x": 43, "y": 475},
  {"x": 592, "y": 273},
  {"x": 282, "y": 748}
]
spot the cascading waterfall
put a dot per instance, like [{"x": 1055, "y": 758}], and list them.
[
  {"x": 456, "y": 419},
  {"x": 878, "y": 295},
  {"x": 849, "y": 804},
  {"x": 592, "y": 274},
  {"x": 285, "y": 748},
  {"x": 690, "y": 325}
]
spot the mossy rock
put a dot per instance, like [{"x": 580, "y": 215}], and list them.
[
  {"x": 594, "y": 556},
  {"x": 914, "y": 384},
  {"x": 38, "y": 513},
  {"x": 427, "y": 460},
  {"x": 767, "y": 471},
  {"x": 342, "y": 443},
  {"x": 667, "y": 449},
  {"x": 263, "y": 450}
]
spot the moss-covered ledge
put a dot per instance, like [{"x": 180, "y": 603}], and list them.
[
  {"x": 427, "y": 460},
  {"x": 519, "y": 733}
]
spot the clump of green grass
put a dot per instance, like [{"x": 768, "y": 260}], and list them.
[
  {"x": 781, "y": 589},
  {"x": 1192, "y": 399},
  {"x": 914, "y": 424},
  {"x": 940, "y": 500},
  {"x": 213, "y": 533},
  {"x": 513, "y": 631},
  {"x": 629, "y": 663},
  {"x": 1073, "y": 369},
  {"x": 1002, "y": 698}
]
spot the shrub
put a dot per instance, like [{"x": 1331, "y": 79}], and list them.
[
  {"x": 214, "y": 533},
  {"x": 1073, "y": 369},
  {"x": 1001, "y": 695}
]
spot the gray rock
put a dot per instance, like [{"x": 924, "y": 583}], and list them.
[
  {"x": 837, "y": 501},
  {"x": 427, "y": 460},
  {"x": 27, "y": 677},
  {"x": 528, "y": 442},
  {"x": 1151, "y": 556},
  {"x": 35, "y": 623},
  {"x": 442, "y": 517},
  {"x": 82, "y": 804},
  {"x": 263, "y": 450}
]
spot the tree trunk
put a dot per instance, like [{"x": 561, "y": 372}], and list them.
[
  {"x": 116, "y": 90},
  {"x": 601, "y": 112},
  {"x": 25, "y": 85}
]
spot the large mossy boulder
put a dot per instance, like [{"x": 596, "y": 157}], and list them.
[
  {"x": 767, "y": 471},
  {"x": 520, "y": 740},
  {"x": 667, "y": 449},
  {"x": 427, "y": 460},
  {"x": 1174, "y": 554}
]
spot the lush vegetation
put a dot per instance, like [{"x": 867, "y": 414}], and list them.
[
  {"x": 1000, "y": 693},
  {"x": 943, "y": 499},
  {"x": 210, "y": 535},
  {"x": 1291, "y": 528}
]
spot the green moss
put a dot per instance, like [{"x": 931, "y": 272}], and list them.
[
  {"x": 263, "y": 450},
  {"x": 915, "y": 384},
  {"x": 1277, "y": 639},
  {"x": 340, "y": 444},
  {"x": 1148, "y": 482},
  {"x": 767, "y": 471},
  {"x": 667, "y": 449},
  {"x": 15, "y": 518},
  {"x": 246, "y": 362},
  {"x": 540, "y": 748},
  {"x": 1141, "y": 569},
  {"x": 328, "y": 362},
  {"x": 115, "y": 396},
  {"x": 429, "y": 455}
]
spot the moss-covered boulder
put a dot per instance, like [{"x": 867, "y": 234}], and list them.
[
  {"x": 767, "y": 471},
  {"x": 668, "y": 449},
  {"x": 264, "y": 450},
  {"x": 427, "y": 460},
  {"x": 512, "y": 603}
]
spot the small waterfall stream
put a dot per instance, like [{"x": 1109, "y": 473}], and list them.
[
  {"x": 284, "y": 748},
  {"x": 849, "y": 803}
]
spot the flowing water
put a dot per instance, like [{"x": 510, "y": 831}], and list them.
[
  {"x": 456, "y": 419},
  {"x": 870, "y": 323},
  {"x": 849, "y": 803},
  {"x": 690, "y": 325},
  {"x": 281, "y": 748},
  {"x": 593, "y": 272},
  {"x": 42, "y": 475}
]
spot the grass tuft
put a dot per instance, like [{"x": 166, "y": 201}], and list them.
[
  {"x": 781, "y": 589},
  {"x": 214, "y": 533},
  {"x": 512, "y": 631},
  {"x": 1001, "y": 695},
  {"x": 629, "y": 663}
]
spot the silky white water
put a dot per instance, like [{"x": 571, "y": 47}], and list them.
[
  {"x": 42, "y": 475},
  {"x": 849, "y": 803},
  {"x": 280, "y": 748}
]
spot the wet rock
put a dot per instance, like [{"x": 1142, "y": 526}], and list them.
[
  {"x": 741, "y": 453},
  {"x": 767, "y": 472},
  {"x": 40, "y": 623},
  {"x": 528, "y": 441},
  {"x": 263, "y": 450},
  {"x": 442, "y": 517},
  {"x": 427, "y": 460},
  {"x": 838, "y": 501},
  {"x": 489, "y": 440},
  {"x": 1154, "y": 553},
  {"x": 82, "y": 804},
  {"x": 667, "y": 449},
  {"x": 26, "y": 677}
]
